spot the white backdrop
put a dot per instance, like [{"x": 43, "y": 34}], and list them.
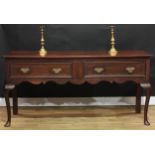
[{"x": 77, "y": 101}]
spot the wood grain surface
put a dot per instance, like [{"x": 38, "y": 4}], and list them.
[{"x": 78, "y": 118}]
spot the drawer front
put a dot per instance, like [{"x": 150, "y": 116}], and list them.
[
  {"x": 116, "y": 69},
  {"x": 53, "y": 70}
]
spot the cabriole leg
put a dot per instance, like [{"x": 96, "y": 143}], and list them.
[
  {"x": 15, "y": 101},
  {"x": 138, "y": 99},
  {"x": 147, "y": 88},
  {"x": 7, "y": 90}
]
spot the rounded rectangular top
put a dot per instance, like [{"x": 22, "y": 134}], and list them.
[{"x": 76, "y": 54}]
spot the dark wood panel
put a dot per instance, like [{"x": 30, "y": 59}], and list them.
[
  {"x": 40, "y": 70},
  {"x": 115, "y": 68}
]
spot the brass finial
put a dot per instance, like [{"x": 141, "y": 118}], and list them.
[
  {"x": 42, "y": 51},
  {"x": 113, "y": 51}
]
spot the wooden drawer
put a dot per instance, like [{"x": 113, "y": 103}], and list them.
[
  {"x": 30, "y": 70},
  {"x": 115, "y": 69}
]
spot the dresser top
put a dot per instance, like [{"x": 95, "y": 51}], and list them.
[{"x": 76, "y": 54}]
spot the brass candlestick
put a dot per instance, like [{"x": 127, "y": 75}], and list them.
[
  {"x": 42, "y": 51},
  {"x": 113, "y": 51}
]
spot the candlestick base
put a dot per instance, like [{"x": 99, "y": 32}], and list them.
[
  {"x": 113, "y": 52},
  {"x": 42, "y": 52}
]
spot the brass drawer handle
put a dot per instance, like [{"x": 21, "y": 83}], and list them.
[
  {"x": 56, "y": 70},
  {"x": 99, "y": 70},
  {"x": 25, "y": 70},
  {"x": 130, "y": 70}
]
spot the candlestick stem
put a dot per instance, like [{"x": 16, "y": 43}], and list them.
[
  {"x": 113, "y": 51},
  {"x": 42, "y": 51}
]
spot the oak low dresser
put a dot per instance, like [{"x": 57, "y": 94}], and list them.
[{"x": 77, "y": 67}]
